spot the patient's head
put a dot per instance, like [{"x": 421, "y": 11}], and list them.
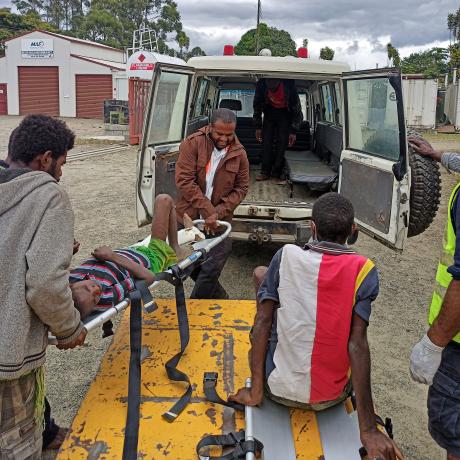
[
  {"x": 86, "y": 295},
  {"x": 332, "y": 218}
]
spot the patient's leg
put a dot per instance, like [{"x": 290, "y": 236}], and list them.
[{"x": 164, "y": 222}]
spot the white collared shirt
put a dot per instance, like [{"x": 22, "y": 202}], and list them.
[{"x": 211, "y": 169}]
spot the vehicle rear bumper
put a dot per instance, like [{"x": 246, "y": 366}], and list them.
[{"x": 264, "y": 231}]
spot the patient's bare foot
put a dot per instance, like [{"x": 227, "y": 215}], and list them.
[{"x": 188, "y": 222}]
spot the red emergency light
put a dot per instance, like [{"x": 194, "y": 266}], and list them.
[
  {"x": 229, "y": 50},
  {"x": 302, "y": 52}
]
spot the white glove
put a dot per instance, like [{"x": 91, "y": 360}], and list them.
[{"x": 425, "y": 360}]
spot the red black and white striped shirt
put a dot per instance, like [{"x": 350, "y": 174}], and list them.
[{"x": 114, "y": 280}]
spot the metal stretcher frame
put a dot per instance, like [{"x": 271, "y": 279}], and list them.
[{"x": 200, "y": 248}]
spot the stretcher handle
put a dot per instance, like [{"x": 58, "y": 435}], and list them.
[
  {"x": 249, "y": 421},
  {"x": 99, "y": 320},
  {"x": 213, "y": 242}
]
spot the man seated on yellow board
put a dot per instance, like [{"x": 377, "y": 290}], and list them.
[
  {"x": 310, "y": 329},
  {"x": 105, "y": 279}
]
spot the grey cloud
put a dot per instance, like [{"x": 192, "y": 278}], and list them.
[
  {"x": 407, "y": 22},
  {"x": 378, "y": 47},
  {"x": 353, "y": 48}
]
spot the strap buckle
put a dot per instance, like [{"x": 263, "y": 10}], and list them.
[
  {"x": 243, "y": 446},
  {"x": 210, "y": 377}
]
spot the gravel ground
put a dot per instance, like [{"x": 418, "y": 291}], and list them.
[{"x": 102, "y": 193}]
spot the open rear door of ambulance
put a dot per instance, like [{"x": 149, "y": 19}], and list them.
[
  {"x": 374, "y": 172},
  {"x": 164, "y": 128}
]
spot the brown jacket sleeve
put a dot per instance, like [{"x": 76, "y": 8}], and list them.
[
  {"x": 235, "y": 197},
  {"x": 186, "y": 169}
]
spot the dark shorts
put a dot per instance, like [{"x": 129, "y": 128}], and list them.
[{"x": 444, "y": 401}]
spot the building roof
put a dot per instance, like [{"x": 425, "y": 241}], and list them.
[
  {"x": 66, "y": 37},
  {"x": 264, "y": 64},
  {"x": 103, "y": 62}
]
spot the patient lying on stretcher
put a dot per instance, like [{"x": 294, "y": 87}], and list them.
[{"x": 104, "y": 280}]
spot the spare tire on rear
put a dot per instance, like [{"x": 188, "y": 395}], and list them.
[{"x": 425, "y": 191}]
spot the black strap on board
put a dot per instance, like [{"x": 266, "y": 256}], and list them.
[
  {"x": 176, "y": 279},
  {"x": 134, "y": 382},
  {"x": 236, "y": 440},
  {"x": 209, "y": 387}
]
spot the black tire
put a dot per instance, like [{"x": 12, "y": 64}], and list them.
[
  {"x": 425, "y": 191},
  {"x": 425, "y": 181}
]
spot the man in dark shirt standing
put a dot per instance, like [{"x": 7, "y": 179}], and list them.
[
  {"x": 279, "y": 103},
  {"x": 435, "y": 360}
]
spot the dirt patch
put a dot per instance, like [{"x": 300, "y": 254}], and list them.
[
  {"x": 80, "y": 126},
  {"x": 102, "y": 192}
]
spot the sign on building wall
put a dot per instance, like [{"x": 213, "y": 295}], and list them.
[{"x": 37, "y": 48}]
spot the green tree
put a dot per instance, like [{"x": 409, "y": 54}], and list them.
[
  {"x": 279, "y": 42},
  {"x": 12, "y": 24},
  {"x": 326, "y": 53},
  {"x": 195, "y": 51},
  {"x": 116, "y": 20},
  {"x": 454, "y": 54},
  {"x": 393, "y": 55},
  {"x": 431, "y": 63},
  {"x": 111, "y": 22},
  {"x": 453, "y": 25}
]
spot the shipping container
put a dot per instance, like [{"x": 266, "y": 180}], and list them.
[{"x": 420, "y": 95}]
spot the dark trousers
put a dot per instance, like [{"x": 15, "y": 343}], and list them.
[
  {"x": 51, "y": 429},
  {"x": 444, "y": 401},
  {"x": 206, "y": 276},
  {"x": 275, "y": 136}
]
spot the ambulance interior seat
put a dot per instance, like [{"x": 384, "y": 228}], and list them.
[
  {"x": 315, "y": 169},
  {"x": 231, "y": 104},
  {"x": 328, "y": 145}
]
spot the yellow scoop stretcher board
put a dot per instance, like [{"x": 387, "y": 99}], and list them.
[{"x": 219, "y": 340}]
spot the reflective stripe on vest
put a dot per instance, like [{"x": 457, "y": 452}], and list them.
[{"x": 443, "y": 278}]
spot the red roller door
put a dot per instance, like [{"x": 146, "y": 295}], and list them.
[
  {"x": 92, "y": 91},
  {"x": 38, "y": 90},
  {"x": 3, "y": 99}
]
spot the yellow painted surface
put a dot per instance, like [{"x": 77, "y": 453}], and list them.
[
  {"x": 305, "y": 432},
  {"x": 219, "y": 341}
]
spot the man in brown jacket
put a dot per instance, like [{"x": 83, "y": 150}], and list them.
[{"x": 212, "y": 178}]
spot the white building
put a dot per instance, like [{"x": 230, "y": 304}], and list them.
[{"x": 44, "y": 72}]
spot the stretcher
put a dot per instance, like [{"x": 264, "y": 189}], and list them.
[
  {"x": 219, "y": 342},
  {"x": 201, "y": 248}
]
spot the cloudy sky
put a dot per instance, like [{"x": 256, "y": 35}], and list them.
[{"x": 358, "y": 30}]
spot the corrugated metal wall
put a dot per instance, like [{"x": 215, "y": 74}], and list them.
[
  {"x": 38, "y": 90},
  {"x": 92, "y": 91},
  {"x": 419, "y": 97},
  {"x": 451, "y": 108}
]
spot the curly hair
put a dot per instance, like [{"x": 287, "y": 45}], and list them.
[
  {"x": 37, "y": 134},
  {"x": 333, "y": 215}
]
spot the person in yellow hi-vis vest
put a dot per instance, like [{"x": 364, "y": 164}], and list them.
[{"x": 435, "y": 360}]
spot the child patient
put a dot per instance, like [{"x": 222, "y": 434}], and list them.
[{"x": 105, "y": 279}]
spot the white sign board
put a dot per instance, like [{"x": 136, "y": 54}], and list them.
[
  {"x": 142, "y": 63},
  {"x": 37, "y": 48}
]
